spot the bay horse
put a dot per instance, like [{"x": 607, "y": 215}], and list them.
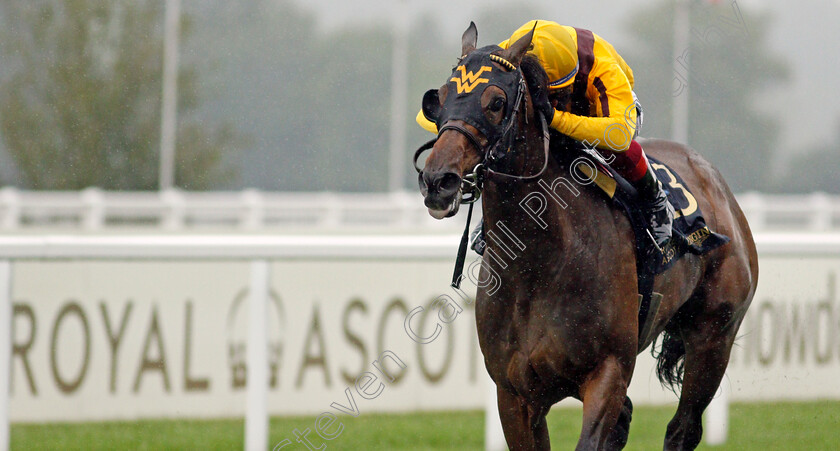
[{"x": 563, "y": 321}]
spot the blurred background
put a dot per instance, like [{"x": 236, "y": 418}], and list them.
[
  {"x": 285, "y": 95},
  {"x": 296, "y": 117}
]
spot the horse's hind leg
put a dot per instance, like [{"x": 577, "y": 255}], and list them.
[
  {"x": 708, "y": 331},
  {"x": 524, "y": 425},
  {"x": 705, "y": 365}
]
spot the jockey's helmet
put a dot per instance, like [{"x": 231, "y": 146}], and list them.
[{"x": 554, "y": 47}]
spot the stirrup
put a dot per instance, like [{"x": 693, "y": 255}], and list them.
[{"x": 477, "y": 242}]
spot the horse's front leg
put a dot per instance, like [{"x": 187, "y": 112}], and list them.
[
  {"x": 603, "y": 394},
  {"x": 523, "y": 424}
]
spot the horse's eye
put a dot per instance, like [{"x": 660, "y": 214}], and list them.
[{"x": 497, "y": 104}]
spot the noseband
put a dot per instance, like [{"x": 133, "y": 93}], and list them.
[{"x": 472, "y": 183}]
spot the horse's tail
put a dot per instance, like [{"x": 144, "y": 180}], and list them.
[{"x": 670, "y": 360}]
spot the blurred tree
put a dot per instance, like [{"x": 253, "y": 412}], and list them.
[
  {"x": 318, "y": 101},
  {"x": 258, "y": 58},
  {"x": 730, "y": 64},
  {"x": 82, "y": 104},
  {"x": 352, "y": 109}
]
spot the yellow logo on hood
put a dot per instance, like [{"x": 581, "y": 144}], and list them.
[{"x": 468, "y": 80}]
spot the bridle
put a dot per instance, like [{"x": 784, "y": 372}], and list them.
[{"x": 472, "y": 183}]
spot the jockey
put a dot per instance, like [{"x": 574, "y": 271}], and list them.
[{"x": 591, "y": 99}]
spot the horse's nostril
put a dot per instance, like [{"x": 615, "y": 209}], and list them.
[
  {"x": 449, "y": 182},
  {"x": 438, "y": 184}
]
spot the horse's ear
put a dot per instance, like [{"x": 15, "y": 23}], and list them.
[
  {"x": 431, "y": 105},
  {"x": 516, "y": 51},
  {"x": 469, "y": 40}
]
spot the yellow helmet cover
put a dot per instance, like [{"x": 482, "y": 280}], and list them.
[{"x": 554, "y": 47}]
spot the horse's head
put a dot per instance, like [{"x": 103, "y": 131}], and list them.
[{"x": 476, "y": 115}]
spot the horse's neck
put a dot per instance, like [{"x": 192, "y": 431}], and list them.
[
  {"x": 542, "y": 219},
  {"x": 526, "y": 211}
]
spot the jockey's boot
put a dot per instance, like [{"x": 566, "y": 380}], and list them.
[{"x": 655, "y": 206}]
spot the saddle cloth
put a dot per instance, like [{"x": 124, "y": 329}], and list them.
[{"x": 690, "y": 234}]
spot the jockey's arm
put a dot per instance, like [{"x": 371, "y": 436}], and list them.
[{"x": 610, "y": 94}]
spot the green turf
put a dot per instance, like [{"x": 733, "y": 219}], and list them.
[{"x": 769, "y": 426}]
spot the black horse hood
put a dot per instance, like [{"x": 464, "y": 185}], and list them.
[{"x": 475, "y": 73}]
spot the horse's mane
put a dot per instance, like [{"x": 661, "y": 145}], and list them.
[{"x": 534, "y": 74}]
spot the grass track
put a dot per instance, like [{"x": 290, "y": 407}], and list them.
[{"x": 769, "y": 426}]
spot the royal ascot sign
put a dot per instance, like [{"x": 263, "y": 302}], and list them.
[
  {"x": 124, "y": 340},
  {"x": 111, "y": 340}
]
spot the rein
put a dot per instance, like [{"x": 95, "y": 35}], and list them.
[{"x": 472, "y": 183}]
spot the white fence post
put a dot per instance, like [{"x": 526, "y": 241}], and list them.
[
  {"x": 10, "y": 203},
  {"x": 717, "y": 416},
  {"x": 254, "y": 216},
  {"x": 93, "y": 217},
  {"x": 173, "y": 219},
  {"x": 821, "y": 213},
  {"x": 256, "y": 414},
  {"x": 5, "y": 349}
]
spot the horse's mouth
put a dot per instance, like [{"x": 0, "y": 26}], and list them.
[{"x": 450, "y": 210}]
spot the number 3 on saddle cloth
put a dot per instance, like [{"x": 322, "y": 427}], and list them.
[{"x": 690, "y": 232}]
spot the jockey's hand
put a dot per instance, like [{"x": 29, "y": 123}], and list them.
[{"x": 542, "y": 104}]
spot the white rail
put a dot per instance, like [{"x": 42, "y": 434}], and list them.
[
  {"x": 260, "y": 250},
  {"x": 173, "y": 210}
]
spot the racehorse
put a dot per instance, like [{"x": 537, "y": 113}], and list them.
[{"x": 562, "y": 321}]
